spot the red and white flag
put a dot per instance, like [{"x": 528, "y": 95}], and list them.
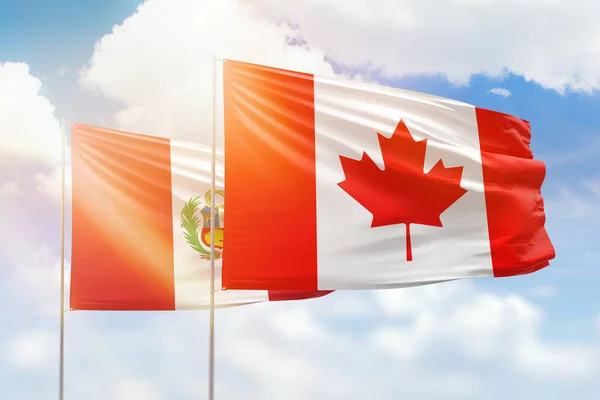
[
  {"x": 141, "y": 225},
  {"x": 331, "y": 184},
  {"x": 335, "y": 184}
]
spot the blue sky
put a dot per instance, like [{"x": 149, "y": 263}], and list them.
[{"x": 486, "y": 339}]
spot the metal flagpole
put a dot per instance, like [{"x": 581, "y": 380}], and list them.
[
  {"x": 62, "y": 269},
  {"x": 211, "y": 340}
]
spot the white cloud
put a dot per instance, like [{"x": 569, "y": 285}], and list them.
[
  {"x": 159, "y": 63},
  {"x": 51, "y": 183},
  {"x": 271, "y": 346},
  {"x": 307, "y": 349},
  {"x": 459, "y": 39},
  {"x": 500, "y": 92},
  {"x": 8, "y": 188},
  {"x": 299, "y": 324},
  {"x": 39, "y": 275},
  {"x": 42, "y": 269},
  {"x": 300, "y": 350},
  {"x": 28, "y": 129},
  {"x": 484, "y": 325},
  {"x": 29, "y": 132},
  {"x": 135, "y": 389},
  {"x": 33, "y": 350}
]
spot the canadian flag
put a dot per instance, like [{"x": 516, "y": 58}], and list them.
[{"x": 335, "y": 184}]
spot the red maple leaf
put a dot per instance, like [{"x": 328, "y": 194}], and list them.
[{"x": 402, "y": 193}]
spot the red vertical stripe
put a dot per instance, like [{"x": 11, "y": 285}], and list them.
[
  {"x": 515, "y": 208},
  {"x": 122, "y": 247},
  {"x": 271, "y": 233}
]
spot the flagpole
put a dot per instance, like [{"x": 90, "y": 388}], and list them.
[
  {"x": 62, "y": 268},
  {"x": 211, "y": 339}
]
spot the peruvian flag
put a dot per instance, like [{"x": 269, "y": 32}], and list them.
[
  {"x": 141, "y": 218},
  {"x": 335, "y": 184}
]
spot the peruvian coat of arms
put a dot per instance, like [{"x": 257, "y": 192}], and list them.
[{"x": 196, "y": 220}]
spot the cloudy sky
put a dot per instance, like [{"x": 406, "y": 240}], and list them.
[{"x": 145, "y": 66}]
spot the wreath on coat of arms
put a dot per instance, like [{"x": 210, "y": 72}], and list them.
[{"x": 196, "y": 220}]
